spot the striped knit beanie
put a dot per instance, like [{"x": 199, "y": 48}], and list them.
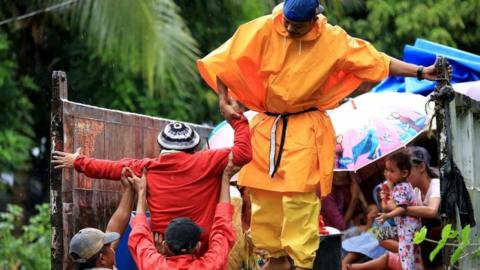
[{"x": 178, "y": 136}]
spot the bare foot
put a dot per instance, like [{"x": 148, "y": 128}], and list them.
[{"x": 281, "y": 263}]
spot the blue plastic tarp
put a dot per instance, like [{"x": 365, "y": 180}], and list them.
[{"x": 466, "y": 67}]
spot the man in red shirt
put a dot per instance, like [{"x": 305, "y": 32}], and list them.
[
  {"x": 182, "y": 235},
  {"x": 180, "y": 182}
]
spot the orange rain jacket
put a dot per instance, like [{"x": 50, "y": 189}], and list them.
[{"x": 270, "y": 72}]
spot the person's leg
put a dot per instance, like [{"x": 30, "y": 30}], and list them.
[
  {"x": 377, "y": 264},
  {"x": 266, "y": 226},
  {"x": 350, "y": 258},
  {"x": 300, "y": 233},
  {"x": 380, "y": 263},
  {"x": 390, "y": 245},
  {"x": 281, "y": 263}
]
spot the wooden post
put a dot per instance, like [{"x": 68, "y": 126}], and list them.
[
  {"x": 59, "y": 92},
  {"x": 443, "y": 95}
]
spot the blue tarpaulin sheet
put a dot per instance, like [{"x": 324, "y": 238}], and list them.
[{"x": 466, "y": 67}]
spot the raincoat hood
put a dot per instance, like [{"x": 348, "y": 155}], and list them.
[{"x": 315, "y": 32}]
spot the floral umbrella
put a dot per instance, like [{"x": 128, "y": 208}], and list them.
[{"x": 374, "y": 125}]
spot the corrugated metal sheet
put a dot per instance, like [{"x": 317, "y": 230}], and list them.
[{"x": 465, "y": 115}]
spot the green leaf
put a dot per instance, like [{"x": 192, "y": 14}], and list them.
[
  {"x": 446, "y": 231},
  {"x": 437, "y": 249},
  {"x": 27, "y": 249},
  {"x": 420, "y": 236},
  {"x": 466, "y": 234},
  {"x": 457, "y": 253},
  {"x": 464, "y": 241}
]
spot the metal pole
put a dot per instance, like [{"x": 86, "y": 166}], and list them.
[{"x": 442, "y": 96}]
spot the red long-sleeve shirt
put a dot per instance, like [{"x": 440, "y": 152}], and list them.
[
  {"x": 179, "y": 184},
  {"x": 221, "y": 240}
]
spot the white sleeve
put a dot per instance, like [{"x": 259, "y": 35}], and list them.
[{"x": 435, "y": 188}]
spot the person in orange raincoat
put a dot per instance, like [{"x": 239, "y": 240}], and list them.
[{"x": 292, "y": 66}]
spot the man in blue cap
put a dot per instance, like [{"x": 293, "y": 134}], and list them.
[
  {"x": 291, "y": 67},
  {"x": 300, "y": 15}
]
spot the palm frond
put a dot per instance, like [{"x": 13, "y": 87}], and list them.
[{"x": 145, "y": 36}]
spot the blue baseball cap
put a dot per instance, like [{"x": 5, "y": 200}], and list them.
[{"x": 301, "y": 10}]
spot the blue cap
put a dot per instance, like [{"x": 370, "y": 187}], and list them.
[{"x": 301, "y": 10}]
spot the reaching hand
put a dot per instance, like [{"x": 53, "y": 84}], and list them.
[
  {"x": 231, "y": 169},
  {"x": 430, "y": 72},
  {"x": 139, "y": 183},
  {"x": 157, "y": 240},
  {"x": 230, "y": 109},
  {"x": 124, "y": 179},
  {"x": 382, "y": 217},
  {"x": 64, "y": 159}
]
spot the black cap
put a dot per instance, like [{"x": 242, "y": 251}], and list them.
[
  {"x": 182, "y": 235},
  {"x": 420, "y": 154}
]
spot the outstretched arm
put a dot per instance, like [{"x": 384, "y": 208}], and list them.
[
  {"x": 95, "y": 168},
  {"x": 400, "y": 68},
  {"x": 230, "y": 170},
  {"x": 119, "y": 220},
  {"x": 242, "y": 147},
  {"x": 222, "y": 236},
  {"x": 429, "y": 211},
  {"x": 140, "y": 242},
  {"x": 228, "y": 106},
  {"x": 62, "y": 160}
]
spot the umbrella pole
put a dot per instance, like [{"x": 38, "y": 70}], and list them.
[{"x": 443, "y": 96}]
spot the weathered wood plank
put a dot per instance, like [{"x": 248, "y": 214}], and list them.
[{"x": 59, "y": 91}]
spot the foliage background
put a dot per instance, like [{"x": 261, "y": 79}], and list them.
[{"x": 139, "y": 57}]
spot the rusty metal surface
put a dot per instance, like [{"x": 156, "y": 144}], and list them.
[{"x": 103, "y": 134}]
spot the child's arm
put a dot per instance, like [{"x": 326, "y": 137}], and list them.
[
  {"x": 387, "y": 202},
  {"x": 388, "y": 205},
  {"x": 398, "y": 211}
]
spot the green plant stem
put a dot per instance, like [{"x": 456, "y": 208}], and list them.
[
  {"x": 450, "y": 244},
  {"x": 436, "y": 242}
]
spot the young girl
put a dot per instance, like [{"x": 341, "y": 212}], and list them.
[{"x": 397, "y": 169}]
